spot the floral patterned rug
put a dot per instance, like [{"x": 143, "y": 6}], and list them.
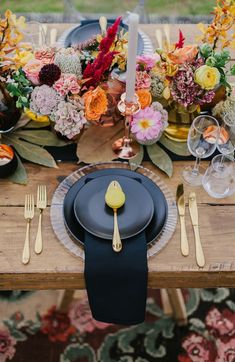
[{"x": 33, "y": 330}]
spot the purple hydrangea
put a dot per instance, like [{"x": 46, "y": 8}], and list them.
[
  {"x": 44, "y": 100},
  {"x": 69, "y": 120},
  {"x": 186, "y": 92}
]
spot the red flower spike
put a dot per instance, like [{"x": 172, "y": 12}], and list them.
[
  {"x": 106, "y": 42},
  {"x": 180, "y": 43}
]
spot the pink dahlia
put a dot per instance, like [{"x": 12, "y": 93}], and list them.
[
  {"x": 67, "y": 83},
  {"x": 147, "y": 125},
  {"x": 143, "y": 80},
  {"x": 147, "y": 62}
]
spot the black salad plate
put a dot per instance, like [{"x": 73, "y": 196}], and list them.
[
  {"x": 97, "y": 218},
  {"x": 91, "y": 28},
  {"x": 160, "y": 204}
]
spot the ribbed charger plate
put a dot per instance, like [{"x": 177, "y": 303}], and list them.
[{"x": 57, "y": 218}]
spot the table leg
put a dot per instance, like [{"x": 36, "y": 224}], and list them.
[
  {"x": 65, "y": 300},
  {"x": 166, "y": 305},
  {"x": 178, "y": 306}
]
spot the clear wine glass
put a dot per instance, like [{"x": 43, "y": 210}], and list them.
[
  {"x": 226, "y": 141},
  {"x": 219, "y": 179},
  {"x": 202, "y": 141}
]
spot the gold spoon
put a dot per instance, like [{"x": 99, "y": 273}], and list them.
[{"x": 115, "y": 198}]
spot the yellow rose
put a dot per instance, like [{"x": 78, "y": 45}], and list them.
[{"x": 207, "y": 77}]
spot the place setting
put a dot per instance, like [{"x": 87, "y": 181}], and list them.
[{"x": 103, "y": 97}]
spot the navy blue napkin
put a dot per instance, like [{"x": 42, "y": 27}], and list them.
[{"x": 116, "y": 282}]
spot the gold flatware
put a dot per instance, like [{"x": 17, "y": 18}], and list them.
[
  {"x": 41, "y": 205},
  {"x": 28, "y": 215},
  {"x": 115, "y": 198},
  {"x": 181, "y": 209},
  {"x": 194, "y": 217},
  {"x": 103, "y": 25}
]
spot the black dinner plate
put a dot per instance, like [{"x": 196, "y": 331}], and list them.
[
  {"x": 96, "y": 217},
  {"x": 90, "y": 28},
  {"x": 160, "y": 204}
]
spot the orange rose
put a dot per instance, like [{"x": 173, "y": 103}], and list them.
[
  {"x": 145, "y": 97},
  {"x": 96, "y": 104},
  {"x": 185, "y": 54}
]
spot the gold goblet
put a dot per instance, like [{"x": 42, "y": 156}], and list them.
[{"x": 125, "y": 147}]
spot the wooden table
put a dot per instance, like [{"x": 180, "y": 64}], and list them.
[{"x": 56, "y": 268}]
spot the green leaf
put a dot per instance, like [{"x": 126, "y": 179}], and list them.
[
  {"x": 179, "y": 148},
  {"x": 20, "y": 175},
  {"x": 33, "y": 124},
  {"x": 233, "y": 70},
  {"x": 160, "y": 158},
  {"x": 137, "y": 160},
  {"x": 30, "y": 152},
  {"x": 40, "y": 137}
]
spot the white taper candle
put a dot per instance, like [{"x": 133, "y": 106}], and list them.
[{"x": 132, "y": 53}]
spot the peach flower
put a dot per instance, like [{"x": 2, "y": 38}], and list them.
[
  {"x": 145, "y": 97},
  {"x": 67, "y": 83},
  {"x": 32, "y": 69},
  {"x": 183, "y": 55},
  {"x": 46, "y": 55},
  {"x": 96, "y": 104}
]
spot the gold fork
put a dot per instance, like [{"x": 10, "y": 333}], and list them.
[
  {"x": 41, "y": 205},
  {"x": 28, "y": 215}
]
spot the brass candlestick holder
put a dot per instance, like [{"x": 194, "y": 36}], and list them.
[{"x": 125, "y": 147}]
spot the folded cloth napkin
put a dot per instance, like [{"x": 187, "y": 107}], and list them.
[{"x": 116, "y": 282}]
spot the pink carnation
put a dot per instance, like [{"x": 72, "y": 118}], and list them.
[
  {"x": 147, "y": 125},
  {"x": 147, "y": 62},
  {"x": 143, "y": 80},
  {"x": 7, "y": 345},
  {"x": 32, "y": 70},
  {"x": 67, "y": 83}
]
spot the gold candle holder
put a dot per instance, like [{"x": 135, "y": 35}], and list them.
[{"x": 125, "y": 147}]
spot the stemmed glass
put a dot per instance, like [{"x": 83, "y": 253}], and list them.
[
  {"x": 226, "y": 141},
  {"x": 34, "y": 35},
  {"x": 202, "y": 142}
]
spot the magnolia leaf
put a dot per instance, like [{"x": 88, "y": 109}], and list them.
[
  {"x": 33, "y": 124},
  {"x": 40, "y": 137},
  {"x": 160, "y": 158},
  {"x": 20, "y": 175},
  {"x": 95, "y": 144},
  {"x": 179, "y": 148},
  {"x": 21, "y": 123},
  {"x": 137, "y": 160},
  {"x": 30, "y": 152}
]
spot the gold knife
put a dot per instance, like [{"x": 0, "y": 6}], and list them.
[
  {"x": 181, "y": 208},
  {"x": 194, "y": 217}
]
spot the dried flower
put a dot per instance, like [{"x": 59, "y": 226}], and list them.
[
  {"x": 44, "y": 100},
  {"x": 68, "y": 60},
  {"x": 157, "y": 85},
  {"x": 143, "y": 80},
  {"x": 145, "y": 97},
  {"x": 147, "y": 125},
  {"x": 159, "y": 107},
  {"x": 69, "y": 121},
  {"x": 67, "y": 83},
  {"x": 49, "y": 74},
  {"x": 96, "y": 104}
]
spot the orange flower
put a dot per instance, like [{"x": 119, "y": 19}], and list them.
[
  {"x": 145, "y": 97},
  {"x": 185, "y": 54},
  {"x": 96, "y": 104}
]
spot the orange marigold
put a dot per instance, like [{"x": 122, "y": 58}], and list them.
[
  {"x": 145, "y": 97},
  {"x": 96, "y": 104}
]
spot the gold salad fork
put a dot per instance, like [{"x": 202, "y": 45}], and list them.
[
  {"x": 41, "y": 205},
  {"x": 28, "y": 215}
]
